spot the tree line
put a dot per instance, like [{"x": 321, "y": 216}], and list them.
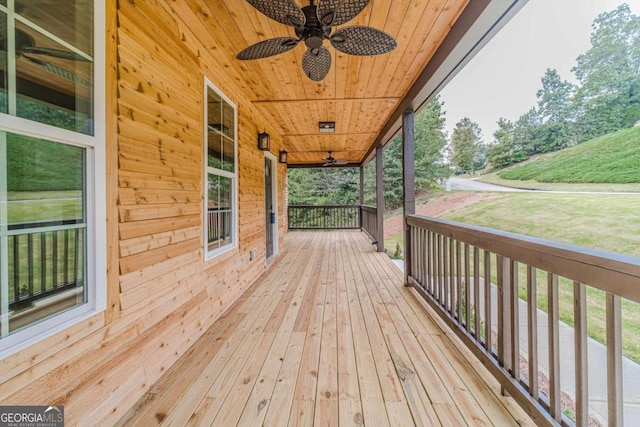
[
  {"x": 329, "y": 186},
  {"x": 605, "y": 99}
]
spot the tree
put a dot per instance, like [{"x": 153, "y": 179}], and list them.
[
  {"x": 526, "y": 134},
  {"x": 609, "y": 73},
  {"x": 465, "y": 145},
  {"x": 503, "y": 150},
  {"x": 556, "y": 110}
]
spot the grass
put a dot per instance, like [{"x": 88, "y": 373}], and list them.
[
  {"x": 609, "y": 222},
  {"x": 531, "y": 184},
  {"x": 606, "y": 222},
  {"x": 43, "y": 206},
  {"x": 612, "y": 158}
]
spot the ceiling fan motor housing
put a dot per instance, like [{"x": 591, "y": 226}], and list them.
[{"x": 313, "y": 32}]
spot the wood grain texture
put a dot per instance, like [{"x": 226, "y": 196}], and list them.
[
  {"x": 370, "y": 353},
  {"x": 162, "y": 294}
]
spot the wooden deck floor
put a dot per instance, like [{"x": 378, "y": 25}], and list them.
[{"x": 329, "y": 336}]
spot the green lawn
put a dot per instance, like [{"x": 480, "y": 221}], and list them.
[
  {"x": 43, "y": 206},
  {"x": 606, "y": 222},
  {"x": 612, "y": 158}
]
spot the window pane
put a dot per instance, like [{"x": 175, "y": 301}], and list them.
[
  {"x": 228, "y": 155},
  {"x": 213, "y": 210},
  {"x": 3, "y": 63},
  {"x": 45, "y": 182},
  {"x": 71, "y": 21},
  {"x": 54, "y": 85},
  {"x": 228, "y": 120},
  {"x": 46, "y": 238},
  {"x": 214, "y": 111},
  {"x": 225, "y": 211},
  {"x": 214, "y": 151}
]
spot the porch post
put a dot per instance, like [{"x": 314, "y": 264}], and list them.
[
  {"x": 379, "y": 200},
  {"x": 361, "y": 196},
  {"x": 409, "y": 186}
]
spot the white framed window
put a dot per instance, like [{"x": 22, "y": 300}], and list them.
[
  {"x": 52, "y": 169},
  {"x": 221, "y": 172}
]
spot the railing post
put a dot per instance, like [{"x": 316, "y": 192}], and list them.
[
  {"x": 379, "y": 200},
  {"x": 409, "y": 187},
  {"x": 360, "y": 214}
]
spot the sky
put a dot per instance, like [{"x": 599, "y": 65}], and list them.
[{"x": 503, "y": 78}]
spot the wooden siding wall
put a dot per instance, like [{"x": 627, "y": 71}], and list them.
[{"x": 162, "y": 295}]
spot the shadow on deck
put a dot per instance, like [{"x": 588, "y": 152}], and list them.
[{"x": 328, "y": 336}]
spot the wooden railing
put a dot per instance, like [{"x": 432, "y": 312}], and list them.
[
  {"x": 479, "y": 280},
  {"x": 218, "y": 224},
  {"x": 369, "y": 220},
  {"x": 43, "y": 262},
  {"x": 334, "y": 217}
]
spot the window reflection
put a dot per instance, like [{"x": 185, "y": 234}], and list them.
[
  {"x": 3, "y": 63},
  {"x": 71, "y": 21},
  {"x": 53, "y": 83}
]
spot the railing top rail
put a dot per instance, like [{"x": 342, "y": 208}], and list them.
[
  {"x": 324, "y": 206},
  {"x": 615, "y": 273},
  {"x": 369, "y": 208}
]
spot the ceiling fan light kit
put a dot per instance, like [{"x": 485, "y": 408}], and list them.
[{"x": 314, "y": 24}]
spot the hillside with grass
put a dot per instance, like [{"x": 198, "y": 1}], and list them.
[{"x": 612, "y": 158}]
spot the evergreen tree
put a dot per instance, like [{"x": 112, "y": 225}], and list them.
[
  {"x": 466, "y": 143},
  {"x": 556, "y": 110},
  {"x": 503, "y": 151}
]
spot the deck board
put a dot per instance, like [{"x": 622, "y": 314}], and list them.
[{"x": 328, "y": 336}]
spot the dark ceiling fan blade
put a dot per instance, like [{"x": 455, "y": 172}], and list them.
[
  {"x": 267, "y": 48},
  {"x": 56, "y": 53},
  {"x": 54, "y": 69},
  {"x": 286, "y": 12},
  {"x": 337, "y": 12},
  {"x": 362, "y": 41},
  {"x": 316, "y": 63}
]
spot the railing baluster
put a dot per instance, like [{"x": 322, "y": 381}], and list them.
[
  {"x": 66, "y": 256},
  {"x": 505, "y": 326},
  {"x": 30, "y": 261},
  {"x": 532, "y": 322},
  {"x": 487, "y": 302},
  {"x": 438, "y": 261},
  {"x": 458, "y": 282},
  {"x": 16, "y": 267},
  {"x": 445, "y": 276},
  {"x": 554, "y": 346},
  {"x": 515, "y": 321},
  {"x": 78, "y": 245},
  {"x": 429, "y": 258},
  {"x": 581, "y": 352},
  {"x": 452, "y": 278},
  {"x": 614, "y": 361},
  {"x": 43, "y": 262},
  {"x": 467, "y": 289},
  {"x": 476, "y": 292},
  {"x": 54, "y": 257}
]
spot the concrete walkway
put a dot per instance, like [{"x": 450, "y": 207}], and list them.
[{"x": 597, "y": 363}]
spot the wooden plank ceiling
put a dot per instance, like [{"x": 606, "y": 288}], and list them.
[{"x": 359, "y": 93}]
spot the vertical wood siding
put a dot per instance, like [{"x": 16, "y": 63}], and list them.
[{"x": 163, "y": 296}]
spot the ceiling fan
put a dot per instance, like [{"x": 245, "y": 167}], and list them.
[
  {"x": 332, "y": 161},
  {"x": 314, "y": 24},
  {"x": 26, "y": 46}
]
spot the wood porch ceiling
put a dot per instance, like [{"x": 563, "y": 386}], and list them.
[
  {"x": 328, "y": 336},
  {"x": 359, "y": 93}
]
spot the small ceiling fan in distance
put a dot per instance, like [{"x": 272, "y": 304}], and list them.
[
  {"x": 313, "y": 25},
  {"x": 332, "y": 161}
]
